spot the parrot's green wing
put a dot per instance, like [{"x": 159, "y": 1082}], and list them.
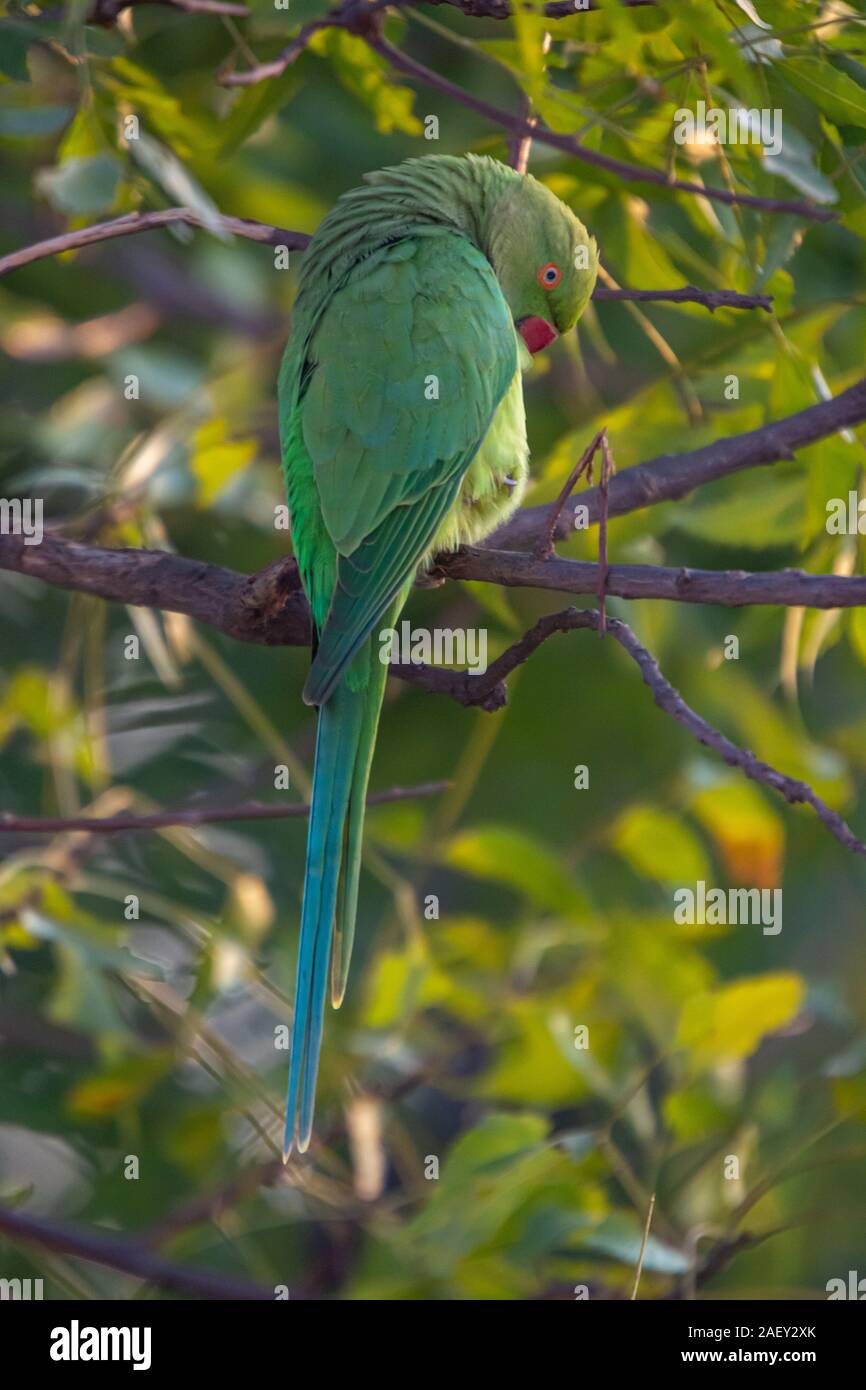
[{"x": 405, "y": 370}]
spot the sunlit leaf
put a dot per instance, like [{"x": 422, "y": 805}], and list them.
[
  {"x": 730, "y": 1022},
  {"x": 512, "y": 857},
  {"x": 659, "y": 846}
]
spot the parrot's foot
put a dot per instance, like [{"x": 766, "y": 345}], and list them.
[
  {"x": 544, "y": 548},
  {"x": 545, "y": 544},
  {"x": 432, "y": 578}
]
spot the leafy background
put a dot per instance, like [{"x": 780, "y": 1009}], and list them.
[{"x": 155, "y": 1038}]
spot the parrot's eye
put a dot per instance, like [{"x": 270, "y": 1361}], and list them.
[{"x": 549, "y": 276}]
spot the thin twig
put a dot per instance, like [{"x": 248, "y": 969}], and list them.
[
  {"x": 643, "y": 1245},
  {"x": 133, "y": 222},
  {"x": 518, "y": 126},
  {"x": 127, "y": 1255},
  {"x": 544, "y": 546},
  {"x": 608, "y": 468},
  {"x": 520, "y": 146},
  {"x": 671, "y": 702},
  {"x": 106, "y": 11},
  {"x": 672, "y": 476},
  {"x": 364, "y": 20},
  {"x": 266, "y": 233},
  {"x": 710, "y": 299},
  {"x": 193, "y": 815}
]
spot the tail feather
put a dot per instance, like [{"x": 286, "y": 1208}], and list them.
[
  {"x": 345, "y": 741},
  {"x": 336, "y": 752},
  {"x": 347, "y": 900}
]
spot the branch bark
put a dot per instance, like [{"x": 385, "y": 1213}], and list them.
[
  {"x": 669, "y": 477},
  {"x": 269, "y": 608},
  {"x": 672, "y": 703},
  {"x": 688, "y": 294},
  {"x": 264, "y": 232},
  {"x": 365, "y": 20},
  {"x": 192, "y": 815},
  {"x": 223, "y": 597},
  {"x": 133, "y": 222},
  {"x": 106, "y": 12},
  {"x": 127, "y": 1255},
  {"x": 517, "y": 126}
]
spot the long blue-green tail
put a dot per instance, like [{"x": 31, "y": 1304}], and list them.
[{"x": 344, "y": 752}]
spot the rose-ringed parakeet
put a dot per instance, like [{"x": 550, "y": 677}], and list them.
[{"x": 422, "y": 295}]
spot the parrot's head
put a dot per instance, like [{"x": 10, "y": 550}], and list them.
[{"x": 545, "y": 261}]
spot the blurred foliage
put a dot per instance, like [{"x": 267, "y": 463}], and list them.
[{"x": 517, "y": 1161}]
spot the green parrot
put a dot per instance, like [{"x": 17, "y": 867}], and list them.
[{"x": 423, "y": 295}]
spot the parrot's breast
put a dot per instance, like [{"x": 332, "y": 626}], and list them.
[{"x": 495, "y": 481}]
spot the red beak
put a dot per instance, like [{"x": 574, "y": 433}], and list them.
[{"x": 536, "y": 333}]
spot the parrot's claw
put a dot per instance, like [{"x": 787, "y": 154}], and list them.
[{"x": 429, "y": 579}]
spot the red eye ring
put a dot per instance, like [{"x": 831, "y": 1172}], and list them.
[{"x": 549, "y": 276}]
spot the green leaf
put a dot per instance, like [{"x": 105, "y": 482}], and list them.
[
  {"x": 529, "y": 26},
  {"x": 490, "y": 1172},
  {"x": 531, "y": 1068},
  {"x": 83, "y": 185},
  {"x": 621, "y": 1237},
  {"x": 757, "y": 510},
  {"x": 506, "y": 855},
  {"x": 659, "y": 846},
  {"x": 748, "y": 8},
  {"x": 857, "y": 632},
  {"x": 164, "y": 167},
  {"x": 15, "y": 39},
  {"x": 367, "y": 76},
  {"x": 29, "y": 121},
  {"x": 255, "y": 105},
  {"x": 833, "y": 92},
  {"x": 795, "y": 163}
]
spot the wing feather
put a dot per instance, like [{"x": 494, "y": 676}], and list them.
[{"x": 406, "y": 368}]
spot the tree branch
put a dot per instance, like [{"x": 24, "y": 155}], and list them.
[
  {"x": 106, "y": 11},
  {"x": 128, "y": 1255},
  {"x": 671, "y": 702},
  {"x": 365, "y": 20},
  {"x": 726, "y": 588},
  {"x": 669, "y": 477},
  {"x": 554, "y": 9},
  {"x": 133, "y": 222},
  {"x": 711, "y": 299},
  {"x": 234, "y": 603},
  {"x": 518, "y": 126},
  {"x": 269, "y": 608},
  {"x": 193, "y": 815}
]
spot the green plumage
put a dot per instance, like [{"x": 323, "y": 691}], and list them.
[{"x": 403, "y": 433}]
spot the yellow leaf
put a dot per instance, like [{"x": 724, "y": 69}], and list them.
[
  {"x": 216, "y": 459},
  {"x": 659, "y": 846},
  {"x": 727, "y": 1024},
  {"x": 747, "y": 833}
]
